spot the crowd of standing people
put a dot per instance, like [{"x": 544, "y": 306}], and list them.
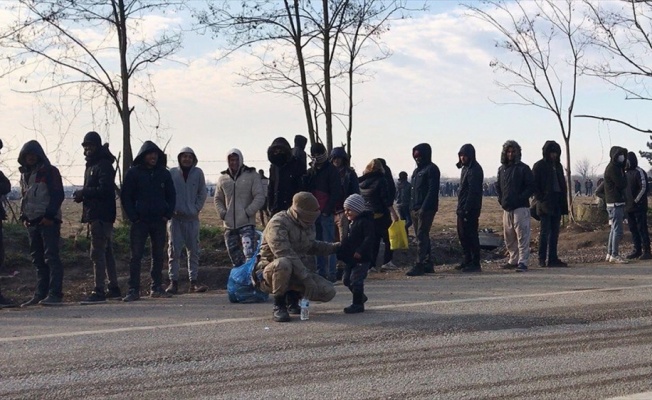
[{"x": 321, "y": 209}]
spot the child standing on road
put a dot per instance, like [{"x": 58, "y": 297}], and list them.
[{"x": 356, "y": 250}]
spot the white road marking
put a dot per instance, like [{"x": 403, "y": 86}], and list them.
[
  {"x": 385, "y": 307},
  {"x": 637, "y": 396}
]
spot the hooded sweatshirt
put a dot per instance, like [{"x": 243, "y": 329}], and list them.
[
  {"x": 41, "y": 186},
  {"x": 637, "y": 186},
  {"x": 425, "y": 180},
  {"x": 615, "y": 181},
  {"x": 469, "y": 197},
  {"x": 515, "y": 182},
  {"x": 348, "y": 177},
  {"x": 299, "y": 150},
  {"x": 550, "y": 188},
  {"x": 285, "y": 174},
  {"x": 148, "y": 194},
  {"x": 191, "y": 191},
  {"x": 239, "y": 196}
]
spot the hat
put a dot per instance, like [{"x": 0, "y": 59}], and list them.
[
  {"x": 93, "y": 138},
  {"x": 317, "y": 149},
  {"x": 356, "y": 203},
  {"x": 306, "y": 207}
]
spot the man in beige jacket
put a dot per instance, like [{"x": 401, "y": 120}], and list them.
[{"x": 239, "y": 195}]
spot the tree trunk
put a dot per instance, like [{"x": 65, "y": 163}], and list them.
[
  {"x": 302, "y": 72},
  {"x": 350, "y": 127},
  {"x": 327, "y": 78},
  {"x": 125, "y": 111},
  {"x": 569, "y": 188}
]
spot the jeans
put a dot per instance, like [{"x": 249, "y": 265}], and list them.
[
  {"x": 183, "y": 234},
  {"x": 44, "y": 249},
  {"x": 354, "y": 275},
  {"x": 138, "y": 235},
  {"x": 102, "y": 254},
  {"x": 549, "y": 236},
  {"x": 326, "y": 265},
  {"x": 616, "y": 217}
]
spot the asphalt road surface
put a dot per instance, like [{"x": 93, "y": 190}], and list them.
[{"x": 577, "y": 333}]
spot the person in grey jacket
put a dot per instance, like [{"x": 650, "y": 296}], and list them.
[
  {"x": 238, "y": 197},
  {"x": 183, "y": 227}
]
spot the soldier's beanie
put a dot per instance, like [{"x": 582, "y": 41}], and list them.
[
  {"x": 305, "y": 201},
  {"x": 356, "y": 203},
  {"x": 93, "y": 138}
]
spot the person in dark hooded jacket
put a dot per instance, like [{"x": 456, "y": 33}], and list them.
[
  {"x": 636, "y": 208},
  {"x": 99, "y": 212},
  {"x": 285, "y": 174},
  {"x": 349, "y": 179},
  {"x": 299, "y": 150},
  {"x": 515, "y": 185},
  {"x": 424, "y": 204},
  {"x": 615, "y": 196},
  {"x": 469, "y": 205},
  {"x": 40, "y": 211},
  {"x": 5, "y": 188},
  {"x": 148, "y": 198},
  {"x": 550, "y": 194}
]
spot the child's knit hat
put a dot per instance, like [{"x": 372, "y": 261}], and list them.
[{"x": 356, "y": 203}]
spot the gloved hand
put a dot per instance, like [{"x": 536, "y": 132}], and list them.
[{"x": 309, "y": 287}]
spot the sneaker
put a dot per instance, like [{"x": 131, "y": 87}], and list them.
[
  {"x": 7, "y": 303},
  {"x": 132, "y": 295},
  {"x": 634, "y": 255},
  {"x": 96, "y": 297},
  {"x": 428, "y": 268},
  {"x": 390, "y": 266},
  {"x": 618, "y": 260},
  {"x": 32, "y": 302},
  {"x": 281, "y": 314},
  {"x": 51, "y": 301},
  {"x": 472, "y": 268},
  {"x": 173, "y": 288},
  {"x": 521, "y": 267},
  {"x": 542, "y": 263},
  {"x": 196, "y": 287},
  {"x": 557, "y": 264},
  {"x": 509, "y": 266},
  {"x": 157, "y": 292},
  {"x": 608, "y": 258},
  {"x": 113, "y": 293}
]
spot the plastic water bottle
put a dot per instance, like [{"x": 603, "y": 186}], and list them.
[{"x": 305, "y": 309}]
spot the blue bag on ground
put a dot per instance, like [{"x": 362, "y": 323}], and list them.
[{"x": 239, "y": 286}]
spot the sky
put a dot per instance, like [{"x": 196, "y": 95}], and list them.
[{"x": 437, "y": 88}]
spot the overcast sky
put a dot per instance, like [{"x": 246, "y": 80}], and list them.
[{"x": 437, "y": 88}]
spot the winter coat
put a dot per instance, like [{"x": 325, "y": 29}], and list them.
[
  {"x": 637, "y": 186},
  {"x": 239, "y": 197},
  {"x": 348, "y": 177},
  {"x": 425, "y": 181},
  {"x": 403, "y": 194},
  {"x": 360, "y": 240},
  {"x": 148, "y": 194},
  {"x": 41, "y": 186},
  {"x": 615, "y": 181},
  {"x": 98, "y": 193},
  {"x": 299, "y": 150},
  {"x": 323, "y": 181},
  {"x": 5, "y": 188},
  {"x": 374, "y": 190},
  {"x": 391, "y": 184},
  {"x": 515, "y": 182},
  {"x": 549, "y": 202},
  {"x": 285, "y": 237},
  {"x": 285, "y": 174},
  {"x": 469, "y": 195},
  {"x": 191, "y": 192}
]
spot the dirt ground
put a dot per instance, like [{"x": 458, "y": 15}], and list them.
[{"x": 579, "y": 243}]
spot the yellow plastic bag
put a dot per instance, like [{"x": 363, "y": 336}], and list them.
[{"x": 398, "y": 239}]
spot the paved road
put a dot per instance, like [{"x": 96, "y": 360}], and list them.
[{"x": 580, "y": 333}]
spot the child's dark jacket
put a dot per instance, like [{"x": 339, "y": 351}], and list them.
[{"x": 360, "y": 240}]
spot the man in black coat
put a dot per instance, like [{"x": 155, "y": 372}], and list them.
[
  {"x": 5, "y": 188},
  {"x": 285, "y": 174},
  {"x": 550, "y": 194},
  {"x": 148, "y": 198},
  {"x": 98, "y": 198},
  {"x": 469, "y": 205},
  {"x": 424, "y": 204},
  {"x": 636, "y": 208}
]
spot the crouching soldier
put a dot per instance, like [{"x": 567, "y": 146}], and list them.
[{"x": 288, "y": 236}]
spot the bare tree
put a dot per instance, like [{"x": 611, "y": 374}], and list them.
[
  {"x": 584, "y": 168},
  {"x": 543, "y": 35},
  {"x": 305, "y": 49},
  {"x": 622, "y": 31},
  {"x": 88, "y": 49}
]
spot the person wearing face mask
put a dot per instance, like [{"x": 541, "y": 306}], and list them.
[
  {"x": 550, "y": 194},
  {"x": 614, "y": 190},
  {"x": 636, "y": 208},
  {"x": 424, "y": 204},
  {"x": 285, "y": 174}
]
